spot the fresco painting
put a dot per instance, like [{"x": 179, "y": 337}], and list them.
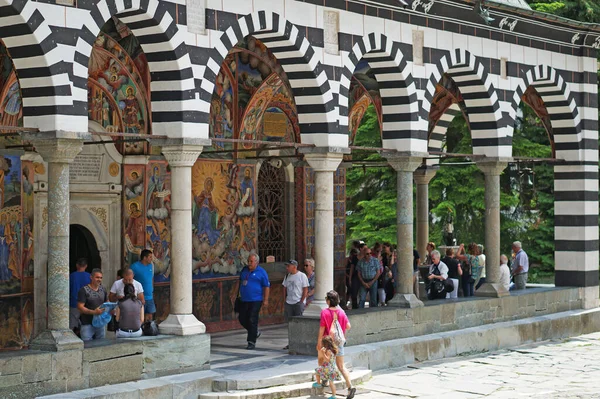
[
  {"x": 16, "y": 252},
  {"x": 158, "y": 217},
  {"x": 118, "y": 85},
  {"x": 446, "y": 94},
  {"x": 356, "y": 115},
  {"x": 134, "y": 225},
  {"x": 250, "y": 82},
  {"x": 11, "y": 109},
  {"x": 224, "y": 217}
]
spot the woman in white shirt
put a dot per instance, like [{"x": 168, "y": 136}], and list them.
[{"x": 504, "y": 272}]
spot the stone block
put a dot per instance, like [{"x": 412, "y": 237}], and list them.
[
  {"x": 449, "y": 314},
  {"x": 116, "y": 370},
  {"x": 155, "y": 389},
  {"x": 10, "y": 380},
  {"x": 176, "y": 354},
  {"x": 11, "y": 364},
  {"x": 95, "y": 351},
  {"x": 67, "y": 365},
  {"x": 189, "y": 385},
  {"x": 36, "y": 367}
]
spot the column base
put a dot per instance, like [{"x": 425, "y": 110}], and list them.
[
  {"x": 315, "y": 308},
  {"x": 181, "y": 324},
  {"x": 589, "y": 297},
  {"x": 405, "y": 301},
  {"x": 56, "y": 341},
  {"x": 492, "y": 290}
]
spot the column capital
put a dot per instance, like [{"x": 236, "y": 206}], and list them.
[
  {"x": 493, "y": 166},
  {"x": 404, "y": 163},
  {"x": 324, "y": 162},
  {"x": 423, "y": 176},
  {"x": 182, "y": 155},
  {"x": 57, "y": 146}
]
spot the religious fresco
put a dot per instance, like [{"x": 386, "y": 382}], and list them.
[
  {"x": 223, "y": 217},
  {"x": 250, "y": 100},
  {"x": 158, "y": 217},
  {"x": 118, "y": 85},
  {"x": 446, "y": 94},
  {"x": 16, "y": 252},
  {"x": 134, "y": 207},
  {"x": 532, "y": 98},
  {"x": 11, "y": 107},
  {"x": 364, "y": 90}
]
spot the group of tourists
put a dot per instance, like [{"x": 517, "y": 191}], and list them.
[
  {"x": 370, "y": 271},
  {"x": 130, "y": 300},
  {"x": 465, "y": 270}
]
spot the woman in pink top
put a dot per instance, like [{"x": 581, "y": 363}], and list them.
[{"x": 333, "y": 300}]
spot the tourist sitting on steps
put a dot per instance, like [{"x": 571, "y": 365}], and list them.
[
  {"x": 438, "y": 272},
  {"x": 130, "y": 314}
]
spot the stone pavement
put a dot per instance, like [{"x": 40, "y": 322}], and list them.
[
  {"x": 228, "y": 350},
  {"x": 553, "y": 369}
]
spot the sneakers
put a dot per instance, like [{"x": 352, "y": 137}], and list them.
[
  {"x": 250, "y": 346},
  {"x": 316, "y": 385},
  {"x": 351, "y": 393}
]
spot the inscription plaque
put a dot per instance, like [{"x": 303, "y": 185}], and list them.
[
  {"x": 86, "y": 167},
  {"x": 196, "y": 16}
]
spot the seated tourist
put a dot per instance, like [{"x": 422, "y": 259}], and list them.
[
  {"x": 437, "y": 271},
  {"x": 504, "y": 272},
  {"x": 454, "y": 271},
  {"x": 130, "y": 314}
]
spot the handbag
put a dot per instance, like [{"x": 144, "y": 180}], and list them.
[
  {"x": 113, "y": 324},
  {"x": 149, "y": 328},
  {"x": 335, "y": 331}
]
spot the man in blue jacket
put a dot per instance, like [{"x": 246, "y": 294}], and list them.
[{"x": 254, "y": 292}]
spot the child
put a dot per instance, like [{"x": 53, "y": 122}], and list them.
[{"x": 327, "y": 370}]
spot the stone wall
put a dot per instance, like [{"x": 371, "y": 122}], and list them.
[
  {"x": 383, "y": 324},
  {"x": 27, "y": 374}
]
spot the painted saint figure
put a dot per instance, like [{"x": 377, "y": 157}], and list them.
[
  {"x": 130, "y": 112},
  {"x": 5, "y": 273},
  {"x": 207, "y": 218},
  {"x": 155, "y": 196},
  {"x": 135, "y": 226}
]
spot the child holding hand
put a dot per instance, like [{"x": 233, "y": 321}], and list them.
[{"x": 327, "y": 370}]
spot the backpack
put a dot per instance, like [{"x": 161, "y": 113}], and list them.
[{"x": 335, "y": 331}]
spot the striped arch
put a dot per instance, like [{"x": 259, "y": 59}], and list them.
[
  {"x": 481, "y": 102},
  {"x": 397, "y": 89},
  {"x": 575, "y": 181},
  {"x": 568, "y": 136},
  {"x": 175, "y": 109},
  {"x": 41, "y": 69},
  {"x": 437, "y": 138},
  {"x": 308, "y": 80}
]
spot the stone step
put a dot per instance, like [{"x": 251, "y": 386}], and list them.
[
  {"x": 296, "y": 389},
  {"x": 267, "y": 378}
]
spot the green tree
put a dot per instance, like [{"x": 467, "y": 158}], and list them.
[
  {"x": 371, "y": 190},
  {"x": 579, "y": 10}
]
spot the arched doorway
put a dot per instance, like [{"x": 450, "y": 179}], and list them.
[{"x": 82, "y": 244}]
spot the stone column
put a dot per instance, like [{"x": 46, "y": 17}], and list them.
[
  {"x": 492, "y": 170},
  {"x": 324, "y": 166},
  {"x": 58, "y": 149},
  {"x": 422, "y": 177},
  {"x": 181, "y": 321},
  {"x": 404, "y": 167}
]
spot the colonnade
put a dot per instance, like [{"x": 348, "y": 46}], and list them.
[{"x": 59, "y": 149}]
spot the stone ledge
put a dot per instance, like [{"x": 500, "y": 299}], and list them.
[
  {"x": 382, "y": 324},
  {"x": 481, "y": 339}
]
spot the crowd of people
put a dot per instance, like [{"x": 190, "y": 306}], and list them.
[
  {"x": 371, "y": 271},
  {"x": 129, "y": 302}
]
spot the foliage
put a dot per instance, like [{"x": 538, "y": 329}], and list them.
[
  {"x": 371, "y": 191},
  {"x": 579, "y": 10}
]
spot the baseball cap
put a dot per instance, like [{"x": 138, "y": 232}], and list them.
[{"x": 291, "y": 262}]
